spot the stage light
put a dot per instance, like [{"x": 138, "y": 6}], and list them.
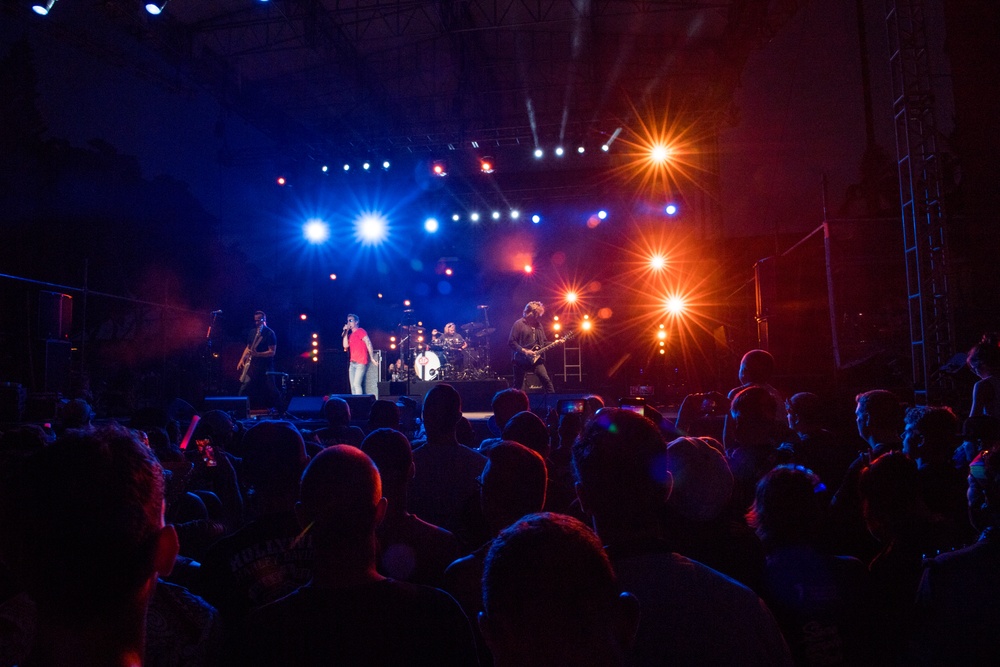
[
  {"x": 385, "y": 165},
  {"x": 671, "y": 209},
  {"x": 303, "y": 317},
  {"x": 431, "y": 225},
  {"x": 325, "y": 168},
  {"x": 315, "y": 336},
  {"x": 392, "y": 339},
  {"x": 440, "y": 168},
  {"x": 420, "y": 339},
  {"x": 448, "y": 272},
  {"x": 571, "y": 297},
  {"x": 581, "y": 150},
  {"x": 406, "y": 302},
  {"x": 281, "y": 180},
  {"x": 392, "y": 346},
  {"x": 661, "y": 334},
  {"x": 496, "y": 215},
  {"x": 43, "y": 9},
  {"x": 659, "y": 153},
  {"x": 559, "y": 151},
  {"x": 333, "y": 276},
  {"x": 586, "y": 324},
  {"x": 315, "y": 359},
  {"x": 528, "y": 268},
  {"x": 347, "y": 167},
  {"x": 556, "y": 326},
  {"x": 657, "y": 262},
  {"x": 515, "y": 214},
  {"x": 316, "y": 231},
  {"x": 486, "y": 165},
  {"x": 315, "y": 343},
  {"x": 539, "y": 153},
  {"x": 371, "y": 228},
  {"x": 155, "y": 8},
  {"x": 675, "y": 305},
  {"x": 662, "y": 344},
  {"x": 536, "y": 218},
  {"x": 474, "y": 217},
  {"x": 602, "y": 214},
  {"x": 605, "y": 148},
  {"x": 366, "y": 166},
  {"x": 456, "y": 217}
]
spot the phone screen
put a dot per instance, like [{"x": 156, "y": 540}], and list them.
[
  {"x": 207, "y": 452},
  {"x": 569, "y": 406},
  {"x": 638, "y": 409}
]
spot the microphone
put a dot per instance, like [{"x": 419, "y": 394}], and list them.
[{"x": 216, "y": 312}]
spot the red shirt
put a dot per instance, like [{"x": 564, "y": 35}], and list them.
[{"x": 357, "y": 347}]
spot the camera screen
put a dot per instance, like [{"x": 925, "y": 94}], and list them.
[{"x": 568, "y": 406}]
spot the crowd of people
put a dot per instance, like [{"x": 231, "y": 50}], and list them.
[{"x": 749, "y": 531}]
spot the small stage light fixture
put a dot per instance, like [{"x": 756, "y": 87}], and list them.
[
  {"x": 539, "y": 153},
  {"x": 559, "y": 151},
  {"x": 347, "y": 167},
  {"x": 671, "y": 209},
  {"x": 496, "y": 215},
  {"x": 536, "y": 218},
  {"x": 366, "y": 166},
  {"x": 456, "y": 217},
  {"x": 43, "y": 9},
  {"x": 581, "y": 150},
  {"x": 602, "y": 214},
  {"x": 515, "y": 214},
  {"x": 385, "y": 165},
  {"x": 155, "y": 8},
  {"x": 431, "y": 225},
  {"x": 474, "y": 217}
]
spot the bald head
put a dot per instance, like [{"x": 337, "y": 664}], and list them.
[{"x": 339, "y": 497}]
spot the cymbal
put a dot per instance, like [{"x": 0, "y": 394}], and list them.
[
  {"x": 472, "y": 326},
  {"x": 486, "y": 332}
]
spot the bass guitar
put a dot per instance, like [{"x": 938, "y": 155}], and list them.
[
  {"x": 537, "y": 351},
  {"x": 244, "y": 366}
]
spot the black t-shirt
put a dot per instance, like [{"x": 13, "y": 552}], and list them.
[
  {"x": 383, "y": 623},
  {"x": 267, "y": 340}
]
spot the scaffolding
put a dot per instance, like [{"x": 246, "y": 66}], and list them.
[
  {"x": 920, "y": 189},
  {"x": 572, "y": 360}
]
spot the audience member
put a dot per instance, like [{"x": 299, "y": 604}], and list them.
[
  {"x": 700, "y": 522},
  {"x": 383, "y": 414},
  {"x": 813, "y": 446},
  {"x": 506, "y": 403},
  {"x": 550, "y": 597},
  {"x": 410, "y": 549},
  {"x": 465, "y": 433},
  {"x": 528, "y": 429},
  {"x": 751, "y": 440},
  {"x": 879, "y": 417},
  {"x": 85, "y": 535},
  {"x": 978, "y": 433},
  {"x": 929, "y": 440},
  {"x": 267, "y": 558},
  {"x": 819, "y": 600},
  {"x": 76, "y": 415},
  {"x": 692, "y": 615},
  {"x": 444, "y": 490},
  {"x": 348, "y": 613},
  {"x": 757, "y": 370},
  {"x": 339, "y": 430},
  {"x": 958, "y": 592},
  {"x": 897, "y": 517},
  {"x": 984, "y": 360}
]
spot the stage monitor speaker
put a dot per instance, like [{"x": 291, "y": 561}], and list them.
[
  {"x": 306, "y": 407},
  {"x": 237, "y": 406},
  {"x": 311, "y": 407},
  {"x": 55, "y": 315}
]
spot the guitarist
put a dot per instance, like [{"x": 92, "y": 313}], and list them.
[
  {"x": 256, "y": 361},
  {"x": 526, "y": 336}
]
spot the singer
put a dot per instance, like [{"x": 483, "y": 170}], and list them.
[{"x": 357, "y": 342}]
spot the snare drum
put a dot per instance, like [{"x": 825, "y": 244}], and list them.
[{"x": 427, "y": 365}]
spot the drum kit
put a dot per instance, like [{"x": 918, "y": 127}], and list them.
[{"x": 446, "y": 359}]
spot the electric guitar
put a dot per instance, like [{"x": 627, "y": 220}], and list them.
[
  {"x": 537, "y": 351},
  {"x": 247, "y": 355}
]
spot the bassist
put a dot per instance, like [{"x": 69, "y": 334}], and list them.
[
  {"x": 257, "y": 360},
  {"x": 527, "y": 336}
]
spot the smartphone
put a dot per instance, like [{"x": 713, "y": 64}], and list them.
[
  {"x": 636, "y": 405},
  {"x": 567, "y": 406},
  {"x": 207, "y": 452}
]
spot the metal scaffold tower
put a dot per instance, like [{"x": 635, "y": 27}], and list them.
[{"x": 920, "y": 189}]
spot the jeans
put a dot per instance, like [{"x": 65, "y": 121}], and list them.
[{"x": 357, "y": 374}]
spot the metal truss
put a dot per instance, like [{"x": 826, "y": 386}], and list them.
[{"x": 920, "y": 189}]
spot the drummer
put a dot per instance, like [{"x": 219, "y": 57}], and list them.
[{"x": 449, "y": 339}]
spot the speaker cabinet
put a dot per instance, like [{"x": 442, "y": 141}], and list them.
[{"x": 237, "y": 406}]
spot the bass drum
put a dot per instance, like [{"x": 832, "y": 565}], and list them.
[{"x": 427, "y": 365}]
